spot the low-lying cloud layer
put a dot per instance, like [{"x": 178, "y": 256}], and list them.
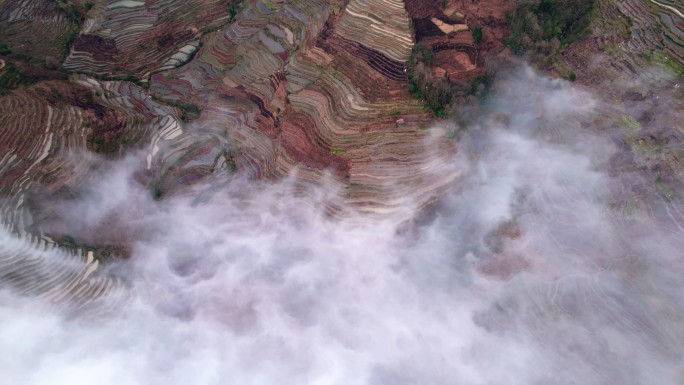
[{"x": 521, "y": 273}]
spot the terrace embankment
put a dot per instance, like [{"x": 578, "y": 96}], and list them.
[
  {"x": 273, "y": 98},
  {"x": 39, "y": 31},
  {"x": 48, "y": 155},
  {"x": 313, "y": 93},
  {"x": 629, "y": 40},
  {"x": 135, "y": 38},
  {"x": 295, "y": 88}
]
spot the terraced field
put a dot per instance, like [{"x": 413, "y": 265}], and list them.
[
  {"x": 199, "y": 97},
  {"x": 298, "y": 88},
  {"x": 132, "y": 38},
  {"x": 288, "y": 97},
  {"x": 36, "y": 29},
  {"x": 631, "y": 37},
  {"x": 286, "y": 89},
  {"x": 49, "y": 152}
]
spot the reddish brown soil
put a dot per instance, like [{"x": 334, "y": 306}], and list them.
[
  {"x": 106, "y": 124},
  {"x": 460, "y": 61},
  {"x": 490, "y": 15},
  {"x": 502, "y": 264},
  {"x": 294, "y": 131},
  {"x": 503, "y": 267},
  {"x": 424, "y": 9},
  {"x": 296, "y": 139},
  {"x": 35, "y": 70},
  {"x": 486, "y": 14},
  {"x": 372, "y": 84},
  {"x": 483, "y": 10},
  {"x": 167, "y": 39},
  {"x": 390, "y": 68},
  {"x": 101, "y": 118},
  {"x": 510, "y": 230},
  {"x": 101, "y": 48},
  {"x": 334, "y": 44}
]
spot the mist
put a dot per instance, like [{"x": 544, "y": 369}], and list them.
[{"x": 522, "y": 272}]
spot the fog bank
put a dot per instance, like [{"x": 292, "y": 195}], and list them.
[{"x": 523, "y": 272}]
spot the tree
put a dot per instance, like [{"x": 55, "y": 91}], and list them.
[
  {"x": 477, "y": 35},
  {"x": 539, "y": 28}
]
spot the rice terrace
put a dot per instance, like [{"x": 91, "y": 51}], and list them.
[{"x": 384, "y": 192}]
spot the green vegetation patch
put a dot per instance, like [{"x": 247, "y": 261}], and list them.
[
  {"x": 273, "y": 6},
  {"x": 337, "y": 151},
  {"x": 189, "y": 111},
  {"x": 12, "y": 78},
  {"x": 76, "y": 16},
  {"x": 477, "y": 35},
  {"x": 233, "y": 9},
  {"x": 645, "y": 146},
  {"x": 630, "y": 123},
  {"x": 666, "y": 61},
  {"x": 539, "y": 28}
]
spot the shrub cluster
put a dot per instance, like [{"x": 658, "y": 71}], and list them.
[{"x": 539, "y": 28}]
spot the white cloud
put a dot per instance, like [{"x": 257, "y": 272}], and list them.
[{"x": 258, "y": 286}]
